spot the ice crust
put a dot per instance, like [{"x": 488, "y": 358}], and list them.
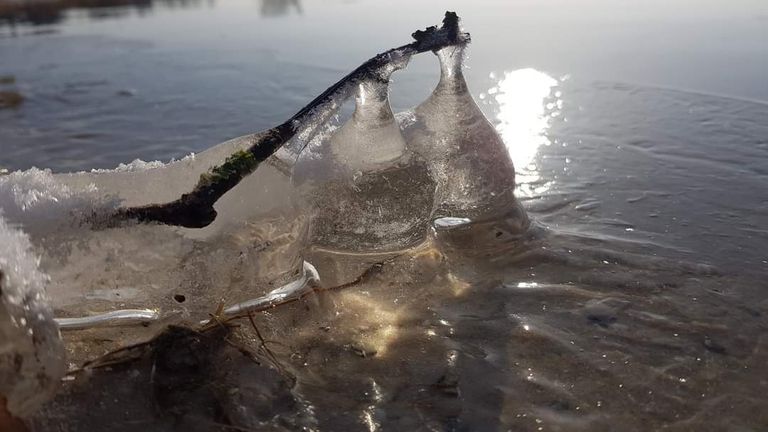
[
  {"x": 31, "y": 352},
  {"x": 39, "y": 202},
  {"x": 138, "y": 165}
]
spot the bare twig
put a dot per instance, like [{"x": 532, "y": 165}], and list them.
[
  {"x": 267, "y": 352},
  {"x": 195, "y": 209}
]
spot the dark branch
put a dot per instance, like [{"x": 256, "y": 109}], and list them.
[{"x": 195, "y": 209}]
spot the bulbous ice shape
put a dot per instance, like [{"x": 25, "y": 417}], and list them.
[
  {"x": 368, "y": 193},
  {"x": 371, "y": 140},
  {"x": 467, "y": 157},
  {"x": 31, "y": 352}
]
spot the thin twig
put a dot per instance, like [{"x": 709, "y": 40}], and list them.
[
  {"x": 268, "y": 352},
  {"x": 195, "y": 209}
]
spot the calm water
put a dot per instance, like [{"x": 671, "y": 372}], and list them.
[{"x": 640, "y": 136}]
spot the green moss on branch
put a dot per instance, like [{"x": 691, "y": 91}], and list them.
[{"x": 237, "y": 163}]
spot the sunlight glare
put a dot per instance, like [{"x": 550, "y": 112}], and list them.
[{"x": 524, "y": 114}]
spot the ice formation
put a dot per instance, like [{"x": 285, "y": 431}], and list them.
[
  {"x": 31, "y": 352},
  {"x": 367, "y": 192},
  {"x": 368, "y": 196},
  {"x": 144, "y": 272},
  {"x": 358, "y": 197},
  {"x": 469, "y": 161}
]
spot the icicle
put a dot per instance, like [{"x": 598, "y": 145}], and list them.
[{"x": 467, "y": 158}]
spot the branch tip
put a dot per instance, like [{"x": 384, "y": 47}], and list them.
[{"x": 433, "y": 38}]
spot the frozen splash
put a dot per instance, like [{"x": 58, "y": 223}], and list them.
[
  {"x": 40, "y": 202},
  {"x": 31, "y": 353}
]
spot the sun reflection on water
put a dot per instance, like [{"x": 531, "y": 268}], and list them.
[{"x": 526, "y": 105}]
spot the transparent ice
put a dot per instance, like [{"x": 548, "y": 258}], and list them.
[
  {"x": 367, "y": 193},
  {"x": 469, "y": 161}
]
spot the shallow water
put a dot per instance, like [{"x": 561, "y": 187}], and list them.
[{"x": 637, "y": 303}]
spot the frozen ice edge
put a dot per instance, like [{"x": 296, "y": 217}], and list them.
[{"x": 138, "y": 165}]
